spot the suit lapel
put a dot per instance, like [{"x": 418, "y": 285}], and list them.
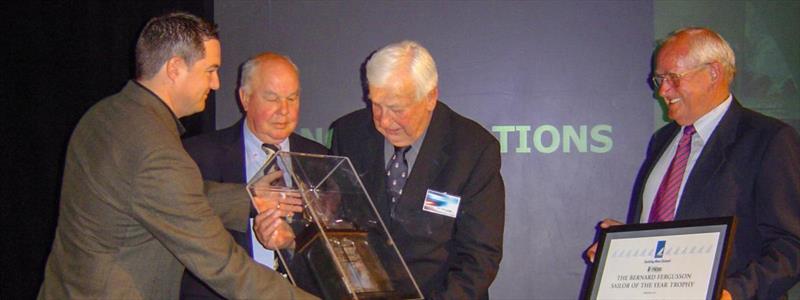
[
  {"x": 431, "y": 159},
  {"x": 660, "y": 144},
  {"x": 711, "y": 159},
  {"x": 295, "y": 143},
  {"x": 233, "y": 152},
  {"x": 373, "y": 167}
]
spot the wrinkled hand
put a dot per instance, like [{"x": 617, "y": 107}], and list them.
[
  {"x": 592, "y": 250},
  {"x": 272, "y": 231},
  {"x": 270, "y": 179},
  {"x": 267, "y": 197}
]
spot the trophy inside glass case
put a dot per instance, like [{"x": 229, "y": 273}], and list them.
[{"x": 342, "y": 249}]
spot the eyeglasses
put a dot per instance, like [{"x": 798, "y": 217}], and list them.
[{"x": 673, "y": 78}]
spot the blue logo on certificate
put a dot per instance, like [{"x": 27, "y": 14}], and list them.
[
  {"x": 441, "y": 203},
  {"x": 660, "y": 246}
]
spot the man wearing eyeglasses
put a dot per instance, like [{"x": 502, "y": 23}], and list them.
[{"x": 718, "y": 158}]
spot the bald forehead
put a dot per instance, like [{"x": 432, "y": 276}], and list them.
[
  {"x": 678, "y": 41},
  {"x": 674, "y": 52},
  {"x": 270, "y": 67},
  {"x": 681, "y": 43},
  {"x": 270, "y": 61}
]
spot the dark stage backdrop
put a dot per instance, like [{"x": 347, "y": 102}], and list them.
[
  {"x": 59, "y": 58},
  {"x": 562, "y": 85}
]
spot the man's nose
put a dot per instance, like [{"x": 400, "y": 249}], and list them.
[
  {"x": 283, "y": 106},
  {"x": 385, "y": 120},
  {"x": 664, "y": 87},
  {"x": 215, "y": 81}
]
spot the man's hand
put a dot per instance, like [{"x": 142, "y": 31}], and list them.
[
  {"x": 726, "y": 295},
  {"x": 606, "y": 223},
  {"x": 272, "y": 231},
  {"x": 266, "y": 197}
]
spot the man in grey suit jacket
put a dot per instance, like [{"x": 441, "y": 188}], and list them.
[
  {"x": 453, "y": 251},
  {"x": 134, "y": 210},
  {"x": 269, "y": 92},
  {"x": 740, "y": 163}
]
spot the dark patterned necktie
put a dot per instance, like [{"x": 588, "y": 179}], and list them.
[
  {"x": 667, "y": 196},
  {"x": 397, "y": 173},
  {"x": 270, "y": 150}
]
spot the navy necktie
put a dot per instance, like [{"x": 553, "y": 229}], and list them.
[{"x": 397, "y": 173}]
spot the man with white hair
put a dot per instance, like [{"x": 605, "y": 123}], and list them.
[
  {"x": 720, "y": 159},
  {"x": 433, "y": 175}
]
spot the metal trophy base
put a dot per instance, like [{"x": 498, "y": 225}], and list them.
[
  {"x": 364, "y": 273},
  {"x": 342, "y": 248}
]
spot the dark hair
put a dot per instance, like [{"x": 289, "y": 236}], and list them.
[{"x": 174, "y": 34}]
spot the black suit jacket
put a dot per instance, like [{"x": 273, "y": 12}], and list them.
[
  {"x": 449, "y": 258},
  {"x": 749, "y": 168},
  {"x": 220, "y": 157}
]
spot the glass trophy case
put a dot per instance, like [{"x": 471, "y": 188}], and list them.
[{"x": 342, "y": 249}]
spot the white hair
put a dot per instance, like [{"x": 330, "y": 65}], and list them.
[
  {"x": 251, "y": 64},
  {"x": 405, "y": 56},
  {"x": 707, "y": 46}
]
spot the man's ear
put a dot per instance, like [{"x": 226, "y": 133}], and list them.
[
  {"x": 716, "y": 71},
  {"x": 174, "y": 67},
  {"x": 243, "y": 98},
  {"x": 431, "y": 98}
]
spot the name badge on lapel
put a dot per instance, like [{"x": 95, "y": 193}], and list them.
[{"x": 441, "y": 203}]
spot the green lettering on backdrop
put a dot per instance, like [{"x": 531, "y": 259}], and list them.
[
  {"x": 548, "y": 139},
  {"x": 538, "y": 142},
  {"x": 503, "y": 130}
]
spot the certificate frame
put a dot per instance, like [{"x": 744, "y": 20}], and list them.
[{"x": 687, "y": 260}]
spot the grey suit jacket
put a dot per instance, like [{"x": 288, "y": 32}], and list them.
[{"x": 134, "y": 211}]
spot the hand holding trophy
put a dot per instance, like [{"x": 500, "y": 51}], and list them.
[
  {"x": 331, "y": 240},
  {"x": 268, "y": 193},
  {"x": 272, "y": 231},
  {"x": 273, "y": 201}
]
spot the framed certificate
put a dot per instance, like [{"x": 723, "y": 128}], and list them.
[{"x": 669, "y": 260}]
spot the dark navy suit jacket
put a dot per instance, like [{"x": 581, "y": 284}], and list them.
[
  {"x": 449, "y": 258},
  {"x": 749, "y": 168},
  {"x": 220, "y": 157}
]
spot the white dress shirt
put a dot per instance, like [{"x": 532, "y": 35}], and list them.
[
  {"x": 254, "y": 159},
  {"x": 704, "y": 127}
]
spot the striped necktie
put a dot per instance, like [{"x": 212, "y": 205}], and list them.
[
  {"x": 270, "y": 150},
  {"x": 664, "y": 204}
]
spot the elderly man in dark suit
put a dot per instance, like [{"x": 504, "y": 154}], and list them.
[
  {"x": 270, "y": 96},
  {"x": 134, "y": 210},
  {"x": 434, "y": 175},
  {"x": 720, "y": 159}
]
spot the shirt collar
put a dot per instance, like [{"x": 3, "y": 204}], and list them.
[
  {"x": 411, "y": 154},
  {"x": 706, "y": 124},
  {"x": 252, "y": 143}
]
